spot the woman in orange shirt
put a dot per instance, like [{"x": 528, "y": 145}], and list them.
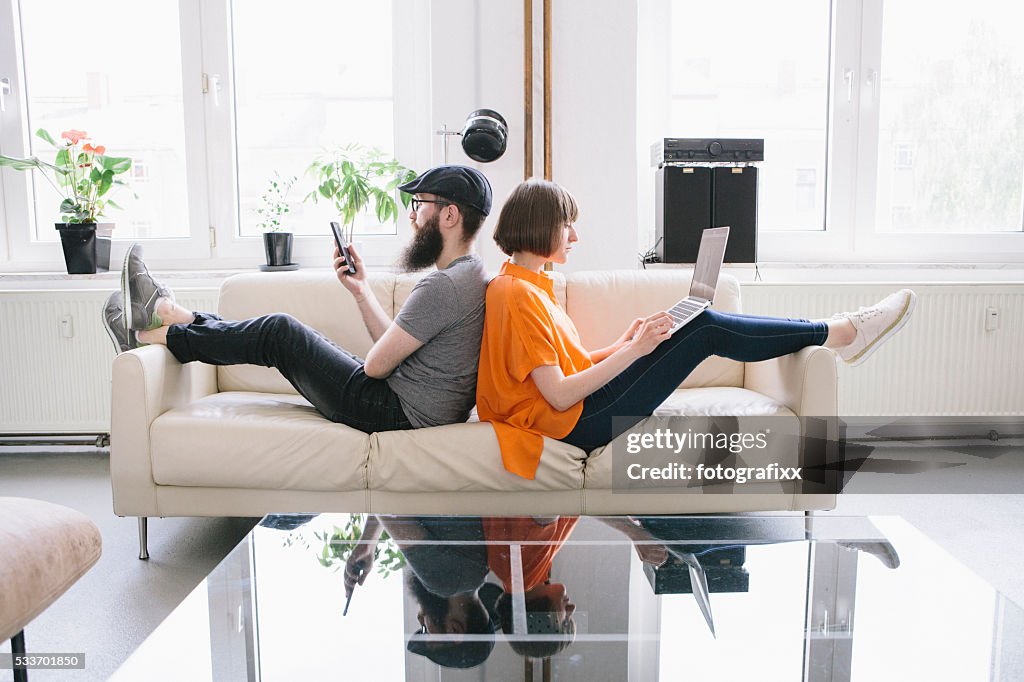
[{"x": 536, "y": 379}]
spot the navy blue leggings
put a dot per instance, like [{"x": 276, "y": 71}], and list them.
[
  {"x": 645, "y": 384},
  {"x": 329, "y": 377}
]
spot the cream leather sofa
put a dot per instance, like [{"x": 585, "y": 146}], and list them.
[{"x": 197, "y": 440}]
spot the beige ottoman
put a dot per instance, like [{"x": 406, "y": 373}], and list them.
[{"x": 44, "y": 549}]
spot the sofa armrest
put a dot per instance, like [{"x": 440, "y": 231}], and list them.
[
  {"x": 147, "y": 382},
  {"x": 806, "y": 381}
]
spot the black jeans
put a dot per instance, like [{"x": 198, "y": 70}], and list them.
[
  {"x": 645, "y": 384},
  {"x": 330, "y": 378}
]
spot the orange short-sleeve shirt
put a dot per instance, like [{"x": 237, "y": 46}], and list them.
[
  {"x": 525, "y": 328},
  {"x": 539, "y": 545}
]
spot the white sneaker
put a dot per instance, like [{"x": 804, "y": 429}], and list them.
[{"x": 875, "y": 324}]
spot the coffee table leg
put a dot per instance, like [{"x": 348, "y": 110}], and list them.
[{"x": 143, "y": 548}]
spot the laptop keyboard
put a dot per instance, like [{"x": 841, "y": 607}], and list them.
[{"x": 684, "y": 310}]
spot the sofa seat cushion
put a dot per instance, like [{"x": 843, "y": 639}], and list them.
[
  {"x": 713, "y": 401},
  {"x": 464, "y": 458},
  {"x": 257, "y": 440}
]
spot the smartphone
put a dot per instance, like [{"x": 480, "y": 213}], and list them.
[{"x": 340, "y": 241}]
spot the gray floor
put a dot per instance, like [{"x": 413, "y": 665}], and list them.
[
  {"x": 111, "y": 610},
  {"x": 121, "y": 600}
]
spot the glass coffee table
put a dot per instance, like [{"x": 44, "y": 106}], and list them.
[{"x": 748, "y": 597}]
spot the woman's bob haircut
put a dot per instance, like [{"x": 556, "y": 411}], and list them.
[{"x": 533, "y": 217}]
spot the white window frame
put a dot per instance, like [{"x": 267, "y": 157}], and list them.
[
  {"x": 852, "y": 165},
  {"x": 939, "y": 247},
  {"x": 210, "y": 146},
  {"x": 23, "y": 250},
  {"x": 410, "y": 88}
]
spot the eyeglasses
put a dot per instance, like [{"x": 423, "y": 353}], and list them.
[{"x": 416, "y": 203}]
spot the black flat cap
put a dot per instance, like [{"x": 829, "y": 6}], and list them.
[{"x": 462, "y": 184}]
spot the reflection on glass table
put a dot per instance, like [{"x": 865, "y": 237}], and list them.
[{"x": 586, "y": 598}]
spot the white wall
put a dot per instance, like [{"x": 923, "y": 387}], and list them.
[
  {"x": 477, "y": 61},
  {"x": 594, "y": 126},
  {"x": 653, "y": 107}
]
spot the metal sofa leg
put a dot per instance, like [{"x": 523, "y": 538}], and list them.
[
  {"x": 18, "y": 647},
  {"x": 809, "y": 517},
  {"x": 143, "y": 548}
]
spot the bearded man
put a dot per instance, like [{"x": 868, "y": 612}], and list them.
[{"x": 421, "y": 370}]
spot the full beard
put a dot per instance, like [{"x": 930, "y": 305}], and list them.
[
  {"x": 424, "y": 249},
  {"x": 433, "y": 606}
]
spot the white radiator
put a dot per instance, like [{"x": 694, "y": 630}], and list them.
[
  {"x": 55, "y": 359},
  {"x": 942, "y": 363}
]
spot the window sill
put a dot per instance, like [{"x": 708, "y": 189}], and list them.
[
  {"x": 832, "y": 273},
  {"x": 776, "y": 273},
  {"x": 191, "y": 278},
  {"x": 176, "y": 279}
]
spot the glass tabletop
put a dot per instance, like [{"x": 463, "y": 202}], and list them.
[{"x": 763, "y": 597}]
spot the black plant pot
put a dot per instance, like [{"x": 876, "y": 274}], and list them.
[
  {"x": 278, "y": 246},
  {"x": 86, "y": 247}
]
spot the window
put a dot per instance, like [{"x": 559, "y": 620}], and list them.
[
  {"x": 209, "y": 100},
  {"x": 743, "y": 81},
  {"x": 327, "y": 81},
  {"x": 807, "y": 194},
  {"x": 954, "y": 93},
  {"x": 879, "y": 136},
  {"x": 132, "y": 106}
]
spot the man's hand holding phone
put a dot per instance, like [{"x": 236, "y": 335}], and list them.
[
  {"x": 343, "y": 246},
  {"x": 356, "y": 283},
  {"x": 348, "y": 266}
]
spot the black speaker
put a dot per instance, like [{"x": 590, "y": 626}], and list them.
[
  {"x": 690, "y": 199},
  {"x": 683, "y": 200},
  {"x": 734, "y": 203}
]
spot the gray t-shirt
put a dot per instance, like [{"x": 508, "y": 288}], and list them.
[
  {"x": 437, "y": 384},
  {"x": 457, "y": 563}
]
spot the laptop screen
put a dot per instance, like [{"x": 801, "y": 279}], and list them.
[{"x": 709, "y": 262}]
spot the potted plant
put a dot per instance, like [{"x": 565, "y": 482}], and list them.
[
  {"x": 353, "y": 176},
  {"x": 337, "y": 546},
  {"x": 82, "y": 174},
  {"x": 273, "y": 207}
]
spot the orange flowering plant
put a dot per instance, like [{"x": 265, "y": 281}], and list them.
[{"x": 81, "y": 173}]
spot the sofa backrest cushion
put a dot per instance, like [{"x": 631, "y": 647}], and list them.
[
  {"x": 600, "y": 303},
  {"x": 313, "y": 297},
  {"x": 603, "y": 303},
  {"x": 405, "y": 283}
]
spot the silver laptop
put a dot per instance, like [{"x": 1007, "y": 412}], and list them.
[{"x": 705, "y": 277}]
